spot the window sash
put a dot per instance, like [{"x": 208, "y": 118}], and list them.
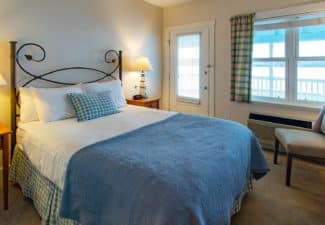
[
  {"x": 272, "y": 82},
  {"x": 292, "y": 58}
]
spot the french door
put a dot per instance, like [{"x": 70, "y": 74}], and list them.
[{"x": 191, "y": 72}]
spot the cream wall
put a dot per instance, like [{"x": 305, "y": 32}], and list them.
[
  {"x": 78, "y": 32},
  {"x": 222, "y": 11}
]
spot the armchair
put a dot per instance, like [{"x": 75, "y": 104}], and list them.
[{"x": 306, "y": 145}]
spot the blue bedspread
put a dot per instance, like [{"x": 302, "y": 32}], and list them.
[{"x": 185, "y": 170}]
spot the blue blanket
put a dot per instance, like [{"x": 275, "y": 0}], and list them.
[{"x": 185, "y": 170}]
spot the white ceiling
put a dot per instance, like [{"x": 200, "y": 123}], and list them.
[{"x": 166, "y": 3}]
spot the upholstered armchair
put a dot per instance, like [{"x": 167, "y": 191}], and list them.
[{"x": 307, "y": 145}]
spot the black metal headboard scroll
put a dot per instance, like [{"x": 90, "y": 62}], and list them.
[
  {"x": 16, "y": 55},
  {"x": 111, "y": 57}
]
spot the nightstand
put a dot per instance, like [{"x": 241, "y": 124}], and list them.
[
  {"x": 147, "y": 102},
  {"x": 4, "y": 140}
]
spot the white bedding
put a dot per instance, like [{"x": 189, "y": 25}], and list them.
[{"x": 50, "y": 146}]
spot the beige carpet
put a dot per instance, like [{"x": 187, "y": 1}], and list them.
[{"x": 271, "y": 202}]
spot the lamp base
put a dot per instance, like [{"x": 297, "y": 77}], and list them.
[
  {"x": 138, "y": 97},
  {"x": 143, "y": 87}
]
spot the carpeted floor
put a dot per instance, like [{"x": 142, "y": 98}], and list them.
[{"x": 271, "y": 202}]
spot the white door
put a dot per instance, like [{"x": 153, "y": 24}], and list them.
[{"x": 191, "y": 73}]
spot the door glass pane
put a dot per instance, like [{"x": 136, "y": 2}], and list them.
[
  {"x": 268, "y": 79},
  {"x": 312, "y": 41},
  {"x": 188, "y": 66},
  {"x": 269, "y": 44},
  {"x": 311, "y": 81}
]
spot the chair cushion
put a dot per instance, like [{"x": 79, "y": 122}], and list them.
[
  {"x": 300, "y": 142},
  {"x": 317, "y": 127},
  {"x": 322, "y": 129}
]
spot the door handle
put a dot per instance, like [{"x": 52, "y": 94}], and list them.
[{"x": 205, "y": 87}]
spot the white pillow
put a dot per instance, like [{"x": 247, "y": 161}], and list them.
[
  {"x": 114, "y": 86},
  {"x": 28, "y": 111},
  {"x": 52, "y": 104},
  {"x": 323, "y": 125}
]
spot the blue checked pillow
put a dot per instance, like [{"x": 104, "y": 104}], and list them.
[{"x": 92, "y": 106}]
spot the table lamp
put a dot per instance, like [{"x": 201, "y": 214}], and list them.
[
  {"x": 142, "y": 64},
  {"x": 2, "y": 80}
]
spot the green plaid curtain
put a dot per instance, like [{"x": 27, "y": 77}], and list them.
[{"x": 242, "y": 28}]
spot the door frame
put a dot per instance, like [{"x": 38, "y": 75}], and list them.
[{"x": 211, "y": 58}]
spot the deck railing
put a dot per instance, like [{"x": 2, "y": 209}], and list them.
[{"x": 307, "y": 89}]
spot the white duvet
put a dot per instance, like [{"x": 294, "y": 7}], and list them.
[{"x": 50, "y": 146}]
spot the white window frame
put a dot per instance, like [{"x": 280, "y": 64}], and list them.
[
  {"x": 292, "y": 56},
  {"x": 297, "y": 59},
  {"x": 271, "y": 59}
]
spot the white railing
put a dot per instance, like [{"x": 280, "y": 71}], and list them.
[{"x": 307, "y": 89}]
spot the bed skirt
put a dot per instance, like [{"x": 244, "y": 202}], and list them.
[{"x": 46, "y": 196}]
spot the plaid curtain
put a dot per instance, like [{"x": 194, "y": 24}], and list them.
[{"x": 242, "y": 28}]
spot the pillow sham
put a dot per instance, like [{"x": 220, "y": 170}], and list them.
[
  {"x": 92, "y": 106},
  {"x": 115, "y": 86},
  {"x": 52, "y": 104},
  {"x": 28, "y": 112}
]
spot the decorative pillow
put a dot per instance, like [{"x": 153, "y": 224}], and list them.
[
  {"x": 28, "y": 111},
  {"x": 52, "y": 104},
  {"x": 114, "y": 86},
  {"x": 92, "y": 106}
]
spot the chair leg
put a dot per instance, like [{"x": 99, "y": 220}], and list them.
[
  {"x": 276, "y": 151},
  {"x": 289, "y": 166}
]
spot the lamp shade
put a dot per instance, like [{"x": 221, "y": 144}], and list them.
[
  {"x": 143, "y": 64},
  {"x": 2, "y": 80}
]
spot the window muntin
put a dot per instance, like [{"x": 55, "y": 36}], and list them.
[
  {"x": 311, "y": 81},
  {"x": 268, "y": 79},
  {"x": 269, "y": 44},
  {"x": 301, "y": 80},
  {"x": 188, "y": 66},
  {"x": 312, "y": 41},
  {"x": 269, "y": 64}
]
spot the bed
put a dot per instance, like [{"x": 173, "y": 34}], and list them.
[{"x": 162, "y": 168}]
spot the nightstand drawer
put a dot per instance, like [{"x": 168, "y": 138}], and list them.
[
  {"x": 152, "y": 105},
  {"x": 148, "y": 102}
]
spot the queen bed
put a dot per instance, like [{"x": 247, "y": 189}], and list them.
[{"x": 160, "y": 168}]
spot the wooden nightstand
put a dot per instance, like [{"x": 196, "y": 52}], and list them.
[
  {"x": 148, "y": 102},
  {"x": 4, "y": 140}
]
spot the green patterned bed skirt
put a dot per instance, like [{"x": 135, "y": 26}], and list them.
[{"x": 46, "y": 195}]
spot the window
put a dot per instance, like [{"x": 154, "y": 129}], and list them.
[
  {"x": 311, "y": 63},
  {"x": 289, "y": 62},
  {"x": 269, "y": 64},
  {"x": 188, "y": 66}
]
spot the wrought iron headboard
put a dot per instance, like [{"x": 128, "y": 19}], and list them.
[{"x": 111, "y": 57}]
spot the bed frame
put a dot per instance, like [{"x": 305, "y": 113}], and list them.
[{"x": 111, "y": 57}]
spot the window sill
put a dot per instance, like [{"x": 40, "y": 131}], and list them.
[{"x": 302, "y": 107}]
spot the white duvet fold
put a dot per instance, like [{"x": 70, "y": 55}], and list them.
[{"x": 50, "y": 146}]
